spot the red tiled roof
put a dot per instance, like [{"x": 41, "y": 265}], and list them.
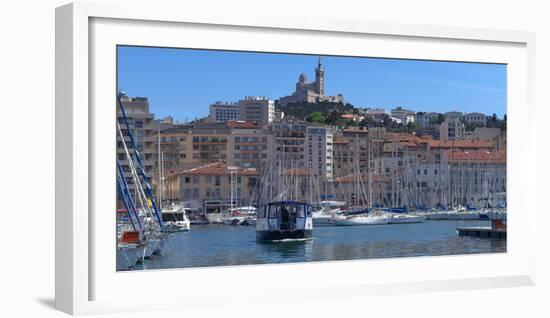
[
  {"x": 481, "y": 156},
  {"x": 461, "y": 144},
  {"x": 300, "y": 172}
]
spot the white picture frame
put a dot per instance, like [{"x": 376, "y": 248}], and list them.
[{"x": 85, "y": 35}]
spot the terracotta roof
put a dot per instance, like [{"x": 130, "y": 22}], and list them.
[
  {"x": 300, "y": 172},
  {"x": 481, "y": 156},
  {"x": 461, "y": 144}
]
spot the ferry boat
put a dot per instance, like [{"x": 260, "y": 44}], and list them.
[{"x": 284, "y": 220}]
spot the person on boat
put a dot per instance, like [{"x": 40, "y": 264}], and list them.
[{"x": 285, "y": 215}]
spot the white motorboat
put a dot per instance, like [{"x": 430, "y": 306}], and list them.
[
  {"x": 174, "y": 218},
  {"x": 233, "y": 220},
  {"x": 214, "y": 218},
  {"x": 240, "y": 216},
  {"x": 323, "y": 220},
  {"x": 406, "y": 218},
  {"x": 327, "y": 213}
]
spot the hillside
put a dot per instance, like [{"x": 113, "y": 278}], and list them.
[{"x": 303, "y": 110}]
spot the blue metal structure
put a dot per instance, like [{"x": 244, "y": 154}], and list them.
[
  {"x": 126, "y": 197},
  {"x": 140, "y": 167}
]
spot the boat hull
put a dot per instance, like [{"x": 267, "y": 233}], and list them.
[
  {"x": 179, "y": 226},
  {"x": 282, "y": 235},
  {"x": 126, "y": 258},
  {"x": 455, "y": 216},
  {"x": 236, "y": 220},
  {"x": 214, "y": 218},
  {"x": 324, "y": 221},
  {"x": 248, "y": 222}
]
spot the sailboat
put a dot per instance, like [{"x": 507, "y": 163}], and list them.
[
  {"x": 141, "y": 207},
  {"x": 361, "y": 214},
  {"x": 244, "y": 215},
  {"x": 174, "y": 216}
]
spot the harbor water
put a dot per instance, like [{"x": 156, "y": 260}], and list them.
[{"x": 223, "y": 245}]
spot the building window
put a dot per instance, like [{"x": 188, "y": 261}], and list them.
[{"x": 196, "y": 179}]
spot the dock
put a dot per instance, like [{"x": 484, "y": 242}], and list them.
[
  {"x": 497, "y": 230},
  {"x": 482, "y": 232}
]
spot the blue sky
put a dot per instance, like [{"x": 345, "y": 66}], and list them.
[{"x": 184, "y": 82}]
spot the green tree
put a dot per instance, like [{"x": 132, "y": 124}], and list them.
[{"x": 316, "y": 117}]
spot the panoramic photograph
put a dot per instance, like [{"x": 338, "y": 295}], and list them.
[{"x": 231, "y": 158}]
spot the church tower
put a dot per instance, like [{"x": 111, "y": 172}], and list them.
[{"x": 320, "y": 78}]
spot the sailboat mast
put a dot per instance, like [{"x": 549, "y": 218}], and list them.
[{"x": 159, "y": 191}]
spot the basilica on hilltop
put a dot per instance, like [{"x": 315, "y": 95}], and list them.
[{"x": 311, "y": 92}]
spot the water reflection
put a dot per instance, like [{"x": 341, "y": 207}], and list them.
[{"x": 287, "y": 251}]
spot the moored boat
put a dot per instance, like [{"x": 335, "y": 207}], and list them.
[
  {"x": 127, "y": 256},
  {"x": 175, "y": 218},
  {"x": 240, "y": 216},
  {"x": 327, "y": 213}
]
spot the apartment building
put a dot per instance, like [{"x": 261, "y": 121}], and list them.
[
  {"x": 475, "y": 118},
  {"x": 252, "y": 145},
  {"x": 453, "y": 127},
  {"x": 173, "y": 144},
  {"x": 289, "y": 144},
  {"x": 252, "y": 108},
  {"x": 140, "y": 121},
  {"x": 221, "y": 112},
  {"x": 258, "y": 109},
  {"x": 319, "y": 150},
  {"x": 213, "y": 181},
  {"x": 425, "y": 120}
]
